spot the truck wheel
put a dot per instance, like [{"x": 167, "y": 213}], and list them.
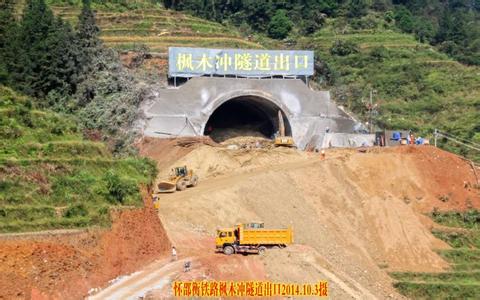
[
  {"x": 194, "y": 181},
  {"x": 228, "y": 250},
  {"x": 262, "y": 250},
  {"x": 276, "y": 247},
  {"x": 181, "y": 185}
]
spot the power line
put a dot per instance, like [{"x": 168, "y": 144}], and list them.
[
  {"x": 458, "y": 142},
  {"x": 460, "y": 139}
]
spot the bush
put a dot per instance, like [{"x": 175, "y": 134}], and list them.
[
  {"x": 379, "y": 53},
  {"x": 280, "y": 25},
  {"x": 404, "y": 19},
  {"x": 75, "y": 210},
  {"x": 343, "y": 48},
  {"x": 117, "y": 189}
]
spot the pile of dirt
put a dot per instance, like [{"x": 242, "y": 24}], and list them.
[
  {"x": 355, "y": 215},
  {"x": 164, "y": 151},
  {"x": 68, "y": 266},
  {"x": 213, "y": 162},
  {"x": 221, "y": 135},
  {"x": 247, "y": 142}
]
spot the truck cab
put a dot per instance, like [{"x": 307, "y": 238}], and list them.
[{"x": 225, "y": 236}]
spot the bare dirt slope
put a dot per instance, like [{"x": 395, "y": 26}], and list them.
[
  {"x": 67, "y": 266},
  {"x": 355, "y": 215}
]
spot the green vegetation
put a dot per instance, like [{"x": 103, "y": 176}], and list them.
[
  {"x": 453, "y": 26},
  {"x": 406, "y": 52},
  {"x": 463, "y": 280},
  {"x": 50, "y": 177},
  {"x": 438, "y": 290},
  {"x": 469, "y": 219},
  {"x": 467, "y": 239},
  {"x": 280, "y": 25},
  {"x": 415, "y": 87},
  {"x": 127, "y": 24},
  {"x": 69, "y": 70}
]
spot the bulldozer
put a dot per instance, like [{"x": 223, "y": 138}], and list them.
[
  {"x": 282, "y": 140},
  {"x": 180, "y": 178}
]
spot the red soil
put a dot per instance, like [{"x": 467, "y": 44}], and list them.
[
  {"x": 59, "y": 267},
  {"x": 445, "y": 175}
]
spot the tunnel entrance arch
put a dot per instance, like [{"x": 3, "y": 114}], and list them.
[{"x": 245, "y": 115}]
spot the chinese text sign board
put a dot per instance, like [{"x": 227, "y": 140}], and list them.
[{"x": 189, "y": 62}]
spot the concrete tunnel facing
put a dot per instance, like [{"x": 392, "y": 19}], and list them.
[
  {"x": 245, "y": 115},
  {"x": 186, "y": 110}
]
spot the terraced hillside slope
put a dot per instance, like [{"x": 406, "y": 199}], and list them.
[
  {"x": 52, "y": 177},
  {"x": 414, "y": 86},
  {"x": 157, "y": 28}
]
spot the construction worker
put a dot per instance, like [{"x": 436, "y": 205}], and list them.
[
  {"x": 186, "y": 266},
  {"x": 174, "y": 253},
  {"x": 323, "y": 153}
]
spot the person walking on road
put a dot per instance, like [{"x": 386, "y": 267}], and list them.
[{"x": 174, "y": 253}]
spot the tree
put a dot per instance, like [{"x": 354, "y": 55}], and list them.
[
  {"x": 404, "y": 19},
  {"x": 33, "y": 48},
  {"x": 6, "y": 20},
  {"x": 7, "y": 30},
  {"x": 280, "y": 25},
  {"x": 89, "y": 45},
  {"x": 62, "y": 72},
  {"x": 423, "y": 29},
  {"x": 313, "y": 22},
  {"x": 357, "y": 8}
]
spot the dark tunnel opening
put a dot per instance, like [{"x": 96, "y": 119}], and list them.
[{"x": 245, "y": 116}]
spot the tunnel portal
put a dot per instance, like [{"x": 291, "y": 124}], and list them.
[{"x": 247, "y": 115}]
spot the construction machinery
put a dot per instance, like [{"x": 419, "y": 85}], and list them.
[
  {"x": 180, "y": 178},
  {"x": 251, "y": 238},
  {"x": 282, "y": 139}
]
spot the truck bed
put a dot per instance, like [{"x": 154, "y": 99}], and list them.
[{"x": 266, "y": 236}]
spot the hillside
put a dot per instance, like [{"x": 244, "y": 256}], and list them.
[
  {"x": 376, "y": 222},
  {"x": 52, "y": 177},
  {"x": 415, "y": 86},
  {"x": 157, "y": 28}
]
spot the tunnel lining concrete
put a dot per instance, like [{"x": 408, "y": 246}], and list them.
[
  {"x": 260, "y": 105},
  {"x": 185, "y": 111}
]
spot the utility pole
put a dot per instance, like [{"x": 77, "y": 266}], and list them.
[
  {"x": 435, "y": 136},
  {"x": 371, "y": 108}
]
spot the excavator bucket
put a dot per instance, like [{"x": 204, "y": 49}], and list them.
[{"x": 167, "y": 187}]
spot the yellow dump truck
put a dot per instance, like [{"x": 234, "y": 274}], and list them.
[{"x": 251, "y": 238}]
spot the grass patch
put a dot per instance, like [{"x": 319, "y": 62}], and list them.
[
  {"x": 467, "y": 239},
  {"x": 469, "y": 219},
  {"x": 459, "y": 256},
  {"x": 463, "y": 280},
  {"x": 416, "y": 290},
  {"x": 456, "y": 277}
]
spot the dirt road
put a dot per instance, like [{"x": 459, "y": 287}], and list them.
[{"x": 136, "y": 285}]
